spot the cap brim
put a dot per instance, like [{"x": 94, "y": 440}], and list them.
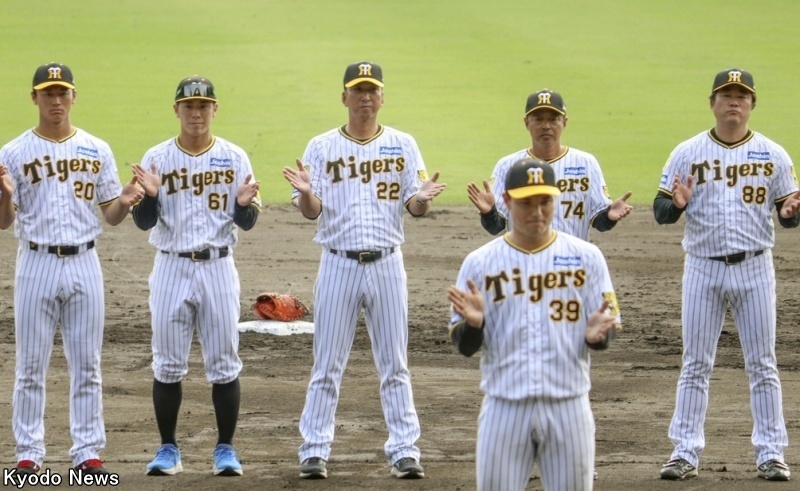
[
  {"x": 357, "y": 81},
  {"x": 45, "y": 85},
  {"x": 195, "y": 97},
  {"x": 528, "y": 191},
  {"x": 735, "y": 83},
  {"x": 559, "y": 111}
]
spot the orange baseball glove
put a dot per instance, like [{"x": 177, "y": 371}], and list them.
[{"x": 279, "y": 307}]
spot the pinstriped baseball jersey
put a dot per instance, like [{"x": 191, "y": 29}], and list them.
[
  {"x": 734, "y": 190},
  {"x": 583, "y": 189},
  {"x": 58, "y": 185},
  {"x": 363, "y": 186},
  {"x": 197, "y": 195},
  {"x": 537, "y": 307}
]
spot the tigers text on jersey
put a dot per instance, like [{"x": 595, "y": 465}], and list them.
[
  {"x": 197, "y": 195},
  {"x": 583, "y": 189},
  {"x": 537, "y": 307},
  {"x": 58, "y": 185},
  {"x": 733, "y": 192},
  {"x": 347, "y": 175}
]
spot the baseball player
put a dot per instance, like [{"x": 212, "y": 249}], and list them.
[
  {"x": 727, "y": 181},
  {"x": 53, "y": 178},
  {"x": 198, "y": 189},
  {"x": 537, "y": 300},
  {"x": 584, "y": 199},
  {"x": 357, "y": 179}
]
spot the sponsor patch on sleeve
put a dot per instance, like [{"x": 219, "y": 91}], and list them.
[{"x": 422, "y": 175}]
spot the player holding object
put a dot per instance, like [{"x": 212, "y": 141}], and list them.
[
  {"x": 584, "y": 199},
  {"x": 727, "y": 180},
  {"x": 537, "y": 300},
  {"x": 53, "y": 178},
  {"x": 358, "y": 179},
  {"x": 198, "y": 189}
]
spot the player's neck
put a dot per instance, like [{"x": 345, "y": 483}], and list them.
[
  {"x": 55, "y": 131},
  {"x": 195, "y": 144},
  {"x": 731, "y": 134},
  {"x": 362, "y": 130},
  {"x": 547, "y": 152}
]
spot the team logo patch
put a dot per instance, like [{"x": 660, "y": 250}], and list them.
[
  {"x": 758, "y": 155},
  {"x": 574, "y": 171},
  {"x": 391, "y": 150},
  {"x": 794, "y": 176},
  {"x": 89, "y": 152},
  {"x": 422, "y": 175},
  {"x": 567, "y": 261},
  {"x": 605, "y": 192},
  {"x": 225, "y": 163}
]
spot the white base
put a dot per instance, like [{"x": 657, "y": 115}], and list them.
[{"x": 277, "y": 328}]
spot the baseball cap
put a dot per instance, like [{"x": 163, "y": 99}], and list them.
[
  {"x": 53, "y": 74},
  {"x": 546, "y": 99},
  {"x": 363, "y": 71},
  {"x": 195, "y": 87},
  {"x": 531, "y": 177},
  {"x": 734, "y": 76}
]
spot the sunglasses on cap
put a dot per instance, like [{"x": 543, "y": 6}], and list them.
[{"x": 195, "y": 90}]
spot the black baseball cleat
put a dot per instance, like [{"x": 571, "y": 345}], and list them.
[{"x": 408, "y": 468}]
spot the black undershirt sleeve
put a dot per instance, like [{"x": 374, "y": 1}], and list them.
[
  {"x": 665, "y": 210},
  {"x": 493, "y": 221},
  {"x": 245, "y": 216},
  {"x": 145, "y": 212},
  {"x": 602, "y": 223},
  {"x": 786, "y": 222},
  {"x": 465, "y": 338}
]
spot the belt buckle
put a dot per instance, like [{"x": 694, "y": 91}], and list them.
[
  {"x": 195, "y": 258},
  {"x": 364, "y": 257},
  {"x": 727, "y": 261},
  {"x": 58, "y": 251}
]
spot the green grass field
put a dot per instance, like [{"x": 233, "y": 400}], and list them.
[{"x": 635, "y": 75}]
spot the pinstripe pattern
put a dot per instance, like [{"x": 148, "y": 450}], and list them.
[
  {"x": 718, "y": 220},
  {"x": 583, "y": 190},
  {"x": 749, "y": 289},
  {"x": 196, "y": 207},
  {"x": 51, "y": 291},
  {"x": 185, "y": 293},
  {"x": 358, "y": 215},
  {"x": 535, "y": 370},
  {"x": 58, "y": 187},
  {"x": 70, "y": 198},
  {"x": 185, "y": 221},
  {"x": 730, "y": 211},
  {"x": 551, "y": 432}
]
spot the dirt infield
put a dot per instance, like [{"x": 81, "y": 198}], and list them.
[{"x": 633, "y": 382}]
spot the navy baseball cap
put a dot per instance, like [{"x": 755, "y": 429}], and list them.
[
  {"x": 531, "y": 177},
  {"x": 53, "y": 74},
  {"x": 363, "y": 71},
  {"x": 546, "y": 99},
  {"x": 195, "y": 88},
  {"x": 734, "y": 76}
]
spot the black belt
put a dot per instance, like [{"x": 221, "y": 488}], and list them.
[
  {"x": 203, "y": 255},
  {"x": 62, "y": 251},
  {"x": 736, "y": 258},
  {"x": 364, "y": 256}
]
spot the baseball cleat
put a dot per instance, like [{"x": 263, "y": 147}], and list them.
[
  {"x": 27, "y": 467},
  {"x": 678, "y": 470},
  {"x": 92, "y": 466},
  {"x": 226, "y": 463},
  {"x": 313, "y": 468},
  {"x": 774, "y": 470},
  {"x": 408, "y": 468},
  {"x": 167, "y": 461}
]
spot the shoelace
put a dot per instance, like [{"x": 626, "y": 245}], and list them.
[
  {"x": 165, "y": 452},
  {"x": 226, "y": 454}
]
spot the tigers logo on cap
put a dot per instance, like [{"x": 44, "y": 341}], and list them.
[
  {"x": 546, "y": 99},
  {"x": 363, "y": 71},
  {"x": 531, "y": 177},
  {"x": 734, "y": 76},
  {"x": 53, "y": 74}
]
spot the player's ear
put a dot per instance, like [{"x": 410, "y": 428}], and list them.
[
  {"x": 175, "y": 108},
  {"x": 506, "y": 199},
  {"x": 344, "y": 97}
]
